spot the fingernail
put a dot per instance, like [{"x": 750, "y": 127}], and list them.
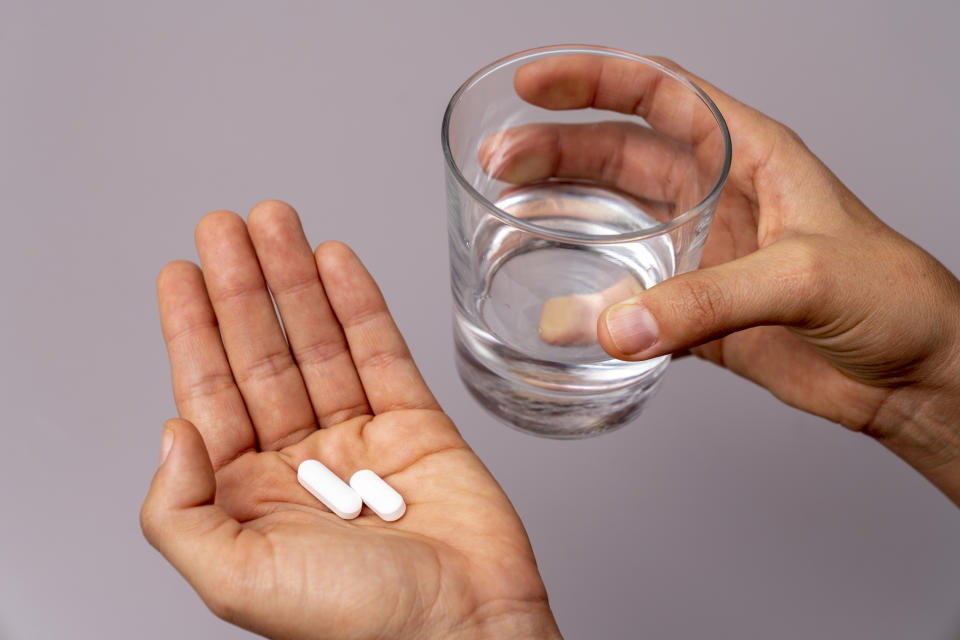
[
  {"x": 513, "y": 156},
  {"x": 631, "y": 327},
  {"x": 166, "y": 443},
  {"x": 526, "y": 168}
]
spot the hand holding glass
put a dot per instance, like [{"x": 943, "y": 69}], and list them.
[{"x": 564, "y": 199}]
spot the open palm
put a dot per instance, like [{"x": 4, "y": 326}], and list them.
[{"x": 335, "y": 383}]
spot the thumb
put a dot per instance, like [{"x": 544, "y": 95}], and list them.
[
  {"x": 775, "y": 285},
  {"x": 178, "y": 515}
]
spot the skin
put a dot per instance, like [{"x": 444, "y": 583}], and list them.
[
  {"x": 803, "y": 291},
  {"x": 225, "y": 507},
  {"x": 572, "y": 320}
]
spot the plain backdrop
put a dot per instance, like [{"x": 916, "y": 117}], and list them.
[{"x": 720, "y": 513}]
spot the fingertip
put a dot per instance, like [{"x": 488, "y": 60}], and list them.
[
  {"x": 178, "y": 423},
  {"x": 155, "y": 505},
  {"x": 627, "y": 331},
  {"x": 186, "y": 536},
  {"x": 174, "y": 272},
  {"x": 174, "y": 430},
  {"x": 525, "y": 81},
  {"x": 166, "y": 443},
  {"x": 608, "y": 345},
  {"x": 185, "y": 430},
  {"x": 603, "y": 337},
  {"x": 485, "y": 153},
  {"x": 270, "y": 212},
  {"x": 523, "y": 154},
  {"x": 341, "y": 269},
  {"x": 214, "y": 224},
  {"x": 333, "y": 253},
  {"x": 186, "y": 480},
  {"x": 491, "y": 154},
  {"x": 181, "y": 298},
  {"x": 560, "y": 82},
  {"x": 278, "y": 239}
]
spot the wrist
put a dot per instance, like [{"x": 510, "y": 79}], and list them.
[
  {"x": 506, "y": 622},
  {"x": 922, "y": 426}
]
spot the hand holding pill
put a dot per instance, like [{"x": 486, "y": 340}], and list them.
[{"x": 335, "y": 394}]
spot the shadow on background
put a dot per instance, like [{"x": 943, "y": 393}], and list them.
[{"x": 953, "y": 633}]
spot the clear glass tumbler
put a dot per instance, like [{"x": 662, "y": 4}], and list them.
[{"x": 577, "y": 176}]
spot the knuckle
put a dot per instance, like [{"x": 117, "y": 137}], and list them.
[
  {"x": 379, "y": 359},
  {"x": 788, "y": 137},
  {"x": 206, "y": 385},
  {"x": 317, "y": 355},
  {"x": 271, "y": 365},
  {"x": 149, "y": 523},
  {"x": 808, "y": 271}
]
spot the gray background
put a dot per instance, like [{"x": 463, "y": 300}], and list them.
[{"x": 719, "y": 514}]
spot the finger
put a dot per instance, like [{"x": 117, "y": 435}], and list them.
[
  {"x": 259, "y": 356},
  {"x": 315, "y": 336},
  {"x": 179, "y": 517},
  {"x": 775, "y": 285},
  {"x": 203, "y": 385},
  {"x": 631, "y": 157},
  {"x": 579, "y": 81},
  {"x": 390, "y": 377}
]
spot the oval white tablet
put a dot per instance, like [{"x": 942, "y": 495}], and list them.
[
  {"x": 326, "y": 487},
  {"x": 382, "y": 499}
]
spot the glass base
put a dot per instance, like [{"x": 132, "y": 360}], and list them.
[{"x": 533, "y": 407}]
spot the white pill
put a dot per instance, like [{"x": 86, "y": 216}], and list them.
[
  {"x": 326, "y": 487},
  {"x": 382, "y": 499}
]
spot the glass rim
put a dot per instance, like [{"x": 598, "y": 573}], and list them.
[{"x": 569, "y": 236}]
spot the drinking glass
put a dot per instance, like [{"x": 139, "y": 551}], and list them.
[{"x": 576, "y": 176}]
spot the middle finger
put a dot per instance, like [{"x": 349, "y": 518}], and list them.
[
  {"x": 635, "y": 159},
  {"x": 315, "y": 336},
  {"x": 259, "y": 356}
]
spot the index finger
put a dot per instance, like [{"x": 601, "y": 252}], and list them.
[{"x": 580, "y": 81}]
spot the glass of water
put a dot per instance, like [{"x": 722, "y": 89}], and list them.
[{"x": 577, "y": 177}]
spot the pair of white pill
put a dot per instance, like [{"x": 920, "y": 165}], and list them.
[{"x": 365, "y": 487}]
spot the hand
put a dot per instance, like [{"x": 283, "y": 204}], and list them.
[
  {"x": 803, "y": 290},
  {"x": 225, "y": 507}
]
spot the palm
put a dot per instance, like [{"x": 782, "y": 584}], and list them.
[
  {"x": 285, "y": 565},
  {"x": 451, "y": 549}
]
